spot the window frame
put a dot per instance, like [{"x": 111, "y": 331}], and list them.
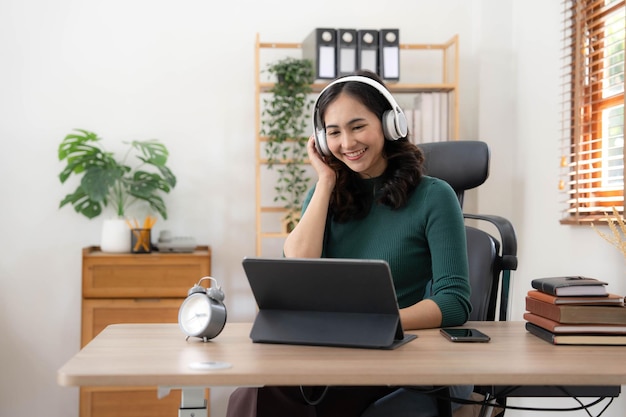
[{"x": 582, "y": 171}]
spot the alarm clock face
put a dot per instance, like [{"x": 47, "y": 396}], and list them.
[{"x": 195, "y": 314}]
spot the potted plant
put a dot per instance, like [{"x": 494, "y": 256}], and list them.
[
  {"x": 284, "y": 123},
  {"x": 108, "y": 181}
]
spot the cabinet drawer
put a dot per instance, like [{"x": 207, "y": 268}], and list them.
[
  {"x": 127, "y": 402},
  {"x": 134, "y": 288},
  {"x": 113, "y": 275},
  {"x": 99, "y": 313}
]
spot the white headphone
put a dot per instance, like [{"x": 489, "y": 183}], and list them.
[{"x": 393, "y": 121}]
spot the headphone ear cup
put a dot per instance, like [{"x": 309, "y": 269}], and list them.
[
  {"x": 320, "y": 142},
  {"x": 389, "y": 126},
  {"x": 394, "y": 127},
  {"x": 320, "y": 133},
  {"x": 402, "y": 125}
]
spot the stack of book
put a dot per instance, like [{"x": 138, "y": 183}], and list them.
[{"x": 575, "y": 311}]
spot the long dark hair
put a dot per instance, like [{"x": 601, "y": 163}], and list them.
[{"x": 352, "y": 198}]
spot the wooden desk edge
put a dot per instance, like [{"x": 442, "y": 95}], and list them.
[{"x": 72, "y": 374}]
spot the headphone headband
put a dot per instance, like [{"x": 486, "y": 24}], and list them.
[
  {"x": 365, "y": 80},
  {"x": 393, "y": 121}
]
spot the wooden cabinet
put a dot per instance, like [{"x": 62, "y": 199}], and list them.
[
  {"x": 134, "y": 288},
  {"x": 424, "y": 68}
]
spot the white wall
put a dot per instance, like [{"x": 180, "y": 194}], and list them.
[{"x": 183, "y": 72}]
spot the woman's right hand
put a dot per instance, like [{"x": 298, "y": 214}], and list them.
[
  {"x": 324, "y": 172},
  {"x": 307, "y": 239}
]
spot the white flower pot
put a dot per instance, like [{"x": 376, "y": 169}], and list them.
[{"x": 115, "y": 236}]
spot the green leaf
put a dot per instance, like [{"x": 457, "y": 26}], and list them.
[
  {"x": 284, "y": 120},
  {"x": 98, "y": 180},
  {"x": 153, "y": 152},
  {"x": 157, "y": 203},
  {"x": 82, "y": 204},
  {"x": 105, "y": 179},
  {"x": 74, "y": 141}
]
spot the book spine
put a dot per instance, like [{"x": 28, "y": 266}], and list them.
[
  {"x": 577, "y": 314},
  {"x": 428, "y": 130},
  {"x": 541, "y": 321},
  {"x": 542, "y": 296},
  {"x": 609, "y": 299},
  {"x": 544, "y": 286},
  {"x": 540, "y": 333},
  {"x": 543, "y": 309}
]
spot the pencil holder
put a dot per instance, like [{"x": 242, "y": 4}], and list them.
[{"x": 140, "y": 241}]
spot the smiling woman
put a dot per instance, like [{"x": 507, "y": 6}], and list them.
[
  {"x": 372, "y": 201},
  {"x": 355, "y": 136}
]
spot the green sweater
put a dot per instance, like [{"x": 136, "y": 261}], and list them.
[{"x": 423, "y": 242}]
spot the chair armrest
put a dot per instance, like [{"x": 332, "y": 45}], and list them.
[{"x": 507, "y": 237}]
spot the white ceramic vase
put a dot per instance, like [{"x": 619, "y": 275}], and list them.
[{"x": 115, "y": 236}]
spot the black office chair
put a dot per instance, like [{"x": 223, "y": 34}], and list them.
[{"x": 465, "y": 165}]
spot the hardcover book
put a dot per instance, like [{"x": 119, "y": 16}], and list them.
[
  {"x": 575, "y": 339},
  {"x": 556, "y": 327},
  {"x": 577, "y": 314},
  {"x": 610, "y": 299},
  {"x": 570, "y": 286}
]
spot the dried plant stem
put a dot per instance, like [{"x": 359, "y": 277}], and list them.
[{"x": 618, "y": 231}]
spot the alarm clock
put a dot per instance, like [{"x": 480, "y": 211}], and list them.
[{"x": 203, "y": 313}]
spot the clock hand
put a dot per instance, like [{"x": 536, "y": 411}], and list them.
[{"x": 196, "y": 315}]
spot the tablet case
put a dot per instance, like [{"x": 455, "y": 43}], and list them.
[{"x": 325, "y": 302}]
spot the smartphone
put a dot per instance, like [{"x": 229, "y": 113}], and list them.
[{"x": 464, "y": 335}]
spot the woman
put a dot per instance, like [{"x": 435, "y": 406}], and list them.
[{"x": 372, "y": 201}]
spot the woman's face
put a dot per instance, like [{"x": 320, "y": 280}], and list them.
[{"x": 355, "y": 136}]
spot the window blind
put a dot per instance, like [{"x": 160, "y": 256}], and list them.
[{"x": 592, "y": 135}]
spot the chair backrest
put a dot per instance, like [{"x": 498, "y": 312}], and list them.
[
  {"x": 465, "y": 165},
  {"x": 482, "y": 254}
]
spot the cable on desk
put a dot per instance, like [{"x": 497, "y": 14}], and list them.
[
  {"x": 582, "y": 406},
  {"x": 581, "y": 403},
  {"x": 315, "y": 401}
]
